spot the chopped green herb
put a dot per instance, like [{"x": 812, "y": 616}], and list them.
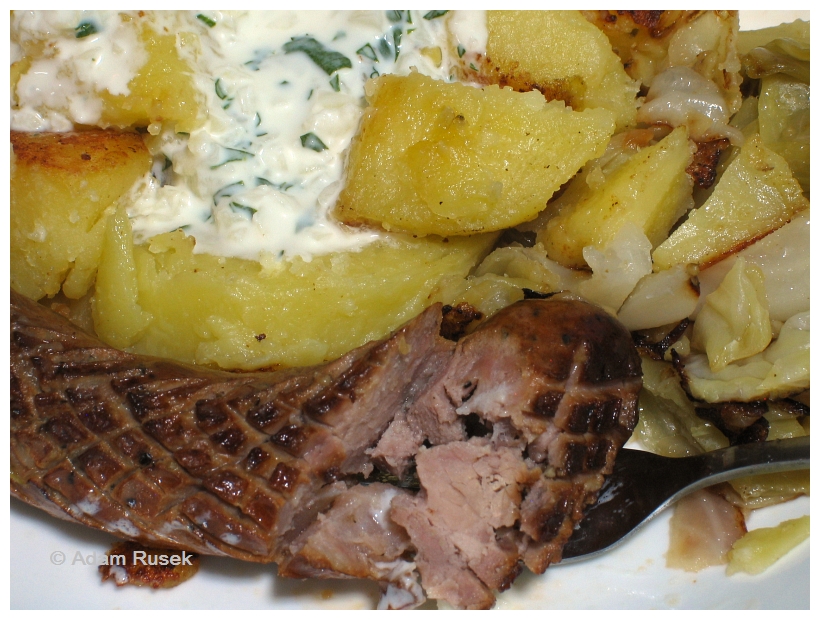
[
  {"x": 473, "y": 67},
  {"x": 283, "y": 186},
  {"x": 334, "y": 83},
  {"x": 368, "y": 52},
  {"x": 228, "y": 190},
  {"x": 258, "y": 119},
  {"x": 85, "y": 29},
  {"x": 240, "y": 208},
  {"x": 394, "y": 16},
  {"x": 375, "y": 73},
  {"x": 259, "y": 56},
  {"x": 310, "y": 94},
  {"x": 434, "y": 14},
  {"x": 311, "y": 141},
  {"x": 384, "y": 48},
  {"x": 396, "y": 41},
  {"x": 206, "y": 20},
  {"x": 284, "y": 83},
  {"x": 233, "y": 155},
  {"x": 220, "y": 89},
  {"x": 183, "y": 133},
  {"x": 339, "y": 35},
  {"x": 460, "y": 49},
  {"x": 409, "y": 30},
  {"x": 327, "y": 60}
]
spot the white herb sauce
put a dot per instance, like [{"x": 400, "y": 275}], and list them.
[{"x": 258, "y": 178}]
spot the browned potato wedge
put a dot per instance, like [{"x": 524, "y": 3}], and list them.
[
  {"x": 651, "y": 190},
  {"x": 62, "y": 186},
  {"x": 434, "y": 157},
  {"x": 756, "y": 195},
  {"x": 531, "y": 49}
]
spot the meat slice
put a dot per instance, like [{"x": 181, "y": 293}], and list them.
[
  {"x": 554, "y": 385},
  {"x": 472, "y": 489},
  {"x": 254, "y": 457},
  {"x": 510, "y": 431}
]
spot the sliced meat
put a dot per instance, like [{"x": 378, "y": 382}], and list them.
[
  {"x": 557, "y": 381},
  {"x": 249, "y": 459},
  {"x": 510, "y": 431}
]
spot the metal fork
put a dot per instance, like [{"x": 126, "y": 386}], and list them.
[{"x": 643, "y": 484}]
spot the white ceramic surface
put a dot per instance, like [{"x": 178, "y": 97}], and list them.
[{"x": 631, "y": 577}]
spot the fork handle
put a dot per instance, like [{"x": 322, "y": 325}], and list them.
[
  {"x": 752, "y": 458},
  {"x": 643, "y": 484}
]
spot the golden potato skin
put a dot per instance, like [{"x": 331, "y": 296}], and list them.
[
  {"x": 62, "y": 186},
  {"x": 443, "y": 158}
]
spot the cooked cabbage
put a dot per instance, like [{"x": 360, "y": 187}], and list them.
[
  {"x": 618, "y": 268},
  {"x": 734, "y": 321},
  {"x": 783, "y": 119},
  {"x": 784, "y": 258},
  {"x": 779, "y": 371},
  {"x": 668, "y": 424},
  {"x": 658, "y": 299},
  {"x": 682, "y": 97}
]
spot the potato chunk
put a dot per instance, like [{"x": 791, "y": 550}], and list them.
[
  {"x": 561, "y": 54},
  {"x": 62, "y": 186},
  {"x": 650, "y": 190},
  {"x": 762, "y": 547},
  {"x": 443, "y": 158},
  {"x": 756, "y": 195},
  {"x": 163, "y": 91},
  {"x": 232, "y": 313}
]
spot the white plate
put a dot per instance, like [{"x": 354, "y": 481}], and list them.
[{"x": 631, "y": 577}]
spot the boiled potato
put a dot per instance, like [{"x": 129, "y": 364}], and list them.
[
  {"x": 162, "y": 91},
  {"x": 62, "y": 188},
  {"x": 561, "y": 54},
  {"x": 443, "y": 158},
  {"x": 162, "y": 299},
  {"x": 756, "y": 195},
  {"x": 115, "y": 310},
  {"x": 651, "y": 190},
  {"x": 761, "y": 548}
]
